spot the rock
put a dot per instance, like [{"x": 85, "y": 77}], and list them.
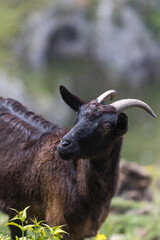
[
  {"x": 135, "y": 181},
  {"x": 123, "y": 42},
  {"x": 59, "y": 30}
]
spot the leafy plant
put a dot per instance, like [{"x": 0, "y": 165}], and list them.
[{"x": 37, "y": 230}]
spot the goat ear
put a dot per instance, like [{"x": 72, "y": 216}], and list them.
[
  {"x": 72, "y": 100},
  {"x": 122, "y": 124}
]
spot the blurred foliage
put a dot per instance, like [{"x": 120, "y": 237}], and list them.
[
  {"x": 12, "y": 18},
  {"x": 92, "y": 9},
  {"x": 134, "y": 220},
  {"x": 68, "y": 72},
  {"x": 152, "y": 18},
  {"x": 3, "y": 229},
  {"x": 141, "y": 143},
  {"x": 150, "y": 13}
]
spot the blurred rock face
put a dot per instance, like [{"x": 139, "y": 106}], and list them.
[
  {"x": 123, "y": 42},
  {"x": 135, "y": 182},
  {"x": 116, "y": 38},
  {"x": 54, "y": 32}
]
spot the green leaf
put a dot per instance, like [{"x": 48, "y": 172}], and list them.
[
  {"x": 42, "y": 232},
  {"x": 41, "y": 229},
  {"x": 15, "y": 218},
  {"x": 41, "y": 238},
  {"x": 31, "y": 226},
  {"x": 58, "y": 229},
  {"x": 14, "y": 224},
  {"x": 14, "y": 210},
  {"x": 35, "y": 221},
  {"x": 24, "y": 213},
  {"x": 50, "y": 229},
  {"x": 57, "y": 238},
  {"x": 23, "y": 238}
]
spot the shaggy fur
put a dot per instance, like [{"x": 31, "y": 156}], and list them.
[{"x": 76, "y": 192}]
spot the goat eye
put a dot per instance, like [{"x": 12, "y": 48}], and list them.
[{"x": 107, "y": 128}]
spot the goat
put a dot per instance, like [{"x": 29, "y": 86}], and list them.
[{"x": 66, "y": 177}]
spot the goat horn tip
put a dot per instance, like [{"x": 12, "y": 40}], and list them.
[{"x": 154, "y": 115}]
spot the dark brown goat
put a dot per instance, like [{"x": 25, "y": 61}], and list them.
[{"x": 74, "y": 185}]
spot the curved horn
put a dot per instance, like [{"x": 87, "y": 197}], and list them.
[
  {"x": 110, "y": 93},
  {"x": 129, "y": 103}
]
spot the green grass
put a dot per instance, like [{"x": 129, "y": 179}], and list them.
[
  {"x": 136, "y": 220},
  {"x": 133, "y": 225}
]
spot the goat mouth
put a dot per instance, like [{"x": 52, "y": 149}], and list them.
[{"x": 67, "y": 155}]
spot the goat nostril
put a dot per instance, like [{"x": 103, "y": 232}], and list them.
[{"x": 65, "y": 143}]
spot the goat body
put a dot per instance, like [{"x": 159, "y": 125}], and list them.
[{"x": 72, "y": 186}]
